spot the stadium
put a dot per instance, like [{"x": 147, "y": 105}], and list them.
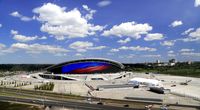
[{"x": 85, "y": 69}]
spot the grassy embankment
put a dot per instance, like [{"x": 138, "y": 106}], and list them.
[{"x": 15, "y": 106}]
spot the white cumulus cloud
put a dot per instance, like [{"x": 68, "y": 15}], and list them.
[
  {"x": 22, "y": 38},
  {"x": 171, "y": 55},
  {"x": 36, "y": 48},
  {"x": 137, "y": 48},
  {"x": 97, "y": 48},
  {"x": 78, "y": 54},
  {"x": 103, "y": 3},
  {"x": 129, "y": 29},
  {"x": 43, "y": 38},
  {"x": 0, "y": 25},
  {"x": 83, "y": 46},
  {"x": 171, "y": 51},
  {"x": 189, "y": 52},
  {"x": 192, "y": 54},
  {"x": 18, "y": 15},
  {"x": 186, "y": 50},
  {"x": 2, "y": 46},
  {"x": 90, "y": 12},
  {"x": 124, "y": 41},
  {"x": 152, "y": 55},
  {"x": 168, "y": 43},
  {"x": 192, "y": 36},
  {"x": 154, "y": 36},
  {"x": 176, "y": 23},
  {"x": 187, "y": 31},
  {"x": 189, "y": 39},
  {"x": 13, "y": 32},
  {"x": 65, "y": 24},
  {"x": 114, "y": 50},
  {"x": 195, "y": 34},
  {"x": 197, "y": 3}
]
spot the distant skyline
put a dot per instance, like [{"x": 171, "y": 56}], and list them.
[{"x": 129, "y": 31}]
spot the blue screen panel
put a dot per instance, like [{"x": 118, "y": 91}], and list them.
[{"x": 85, "y": 67}]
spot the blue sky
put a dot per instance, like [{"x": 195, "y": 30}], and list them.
[{"x": 129, "y": 31}]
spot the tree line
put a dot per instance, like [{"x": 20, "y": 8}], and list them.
[
  {"x": 23, "y": 67},
  {"x": 180, "y": 68}
]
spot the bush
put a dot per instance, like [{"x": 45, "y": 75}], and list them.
[{"x": 45, "y": 86}]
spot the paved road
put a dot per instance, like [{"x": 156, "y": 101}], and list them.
[
  {"x": 68, "y": 104},
  {"x": 52, "y": 99}
]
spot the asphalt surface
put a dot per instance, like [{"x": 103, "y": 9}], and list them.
[
  {"x": 52, "y": 99},
  {"x": 67, "y": 104},
  {"x": 115, "y": 86}
]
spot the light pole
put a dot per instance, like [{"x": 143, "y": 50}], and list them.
[
  {"x": 70, "y": 87},
  {"x": 43, "y": 99},
  {"x": 62, "y": 95}
]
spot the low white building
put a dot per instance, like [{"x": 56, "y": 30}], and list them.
[{"x": 144, "y": 81}]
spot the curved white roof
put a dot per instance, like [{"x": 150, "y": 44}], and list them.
[{"x": 120, "y": 65}]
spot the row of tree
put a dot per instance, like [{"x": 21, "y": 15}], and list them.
[
  {"x": 15, "y": 83},
  {"x": 3, "y": 83},
  {"x": 180, "y": 68},
  {"x": 45, "y": 86},
  {"x": 23, "y": 67}
]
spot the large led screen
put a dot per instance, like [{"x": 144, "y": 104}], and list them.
[{"x": 85, "y": 67}]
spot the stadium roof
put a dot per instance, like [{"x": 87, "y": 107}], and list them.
[{"x": 112, "y": 62}]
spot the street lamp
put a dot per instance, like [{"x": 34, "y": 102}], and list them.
[{"x": 43, "y": 99}]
